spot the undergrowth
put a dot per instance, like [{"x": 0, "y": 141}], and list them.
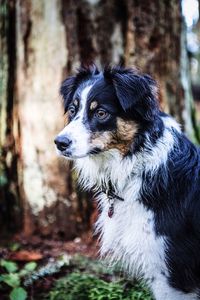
[
  {"x": 90, "y": 280},
  {"x": 67, "y": 278},
  {"x": 84, "y": 286}
]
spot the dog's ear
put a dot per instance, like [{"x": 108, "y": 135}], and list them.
[
  {"x": 69, "y": 85},
  {"x": 136, "y": 93}
]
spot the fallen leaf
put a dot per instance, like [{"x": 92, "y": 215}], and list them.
[{"x": 25, "y": 255}]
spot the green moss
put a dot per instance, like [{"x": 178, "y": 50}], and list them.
[
  {"x": 84, "y": 286},
  {"x": 90, "y": 280}
]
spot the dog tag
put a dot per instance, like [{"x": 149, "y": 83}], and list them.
[
  {"x": 111, "y": 210},
  {"x": 112, "y": 197}
]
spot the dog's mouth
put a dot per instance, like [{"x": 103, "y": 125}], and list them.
[
  {"x": 69, "y": 154},
  {"x": 95, "y": 150}
]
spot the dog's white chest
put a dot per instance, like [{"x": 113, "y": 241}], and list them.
[{"x": 129, "y": 236}]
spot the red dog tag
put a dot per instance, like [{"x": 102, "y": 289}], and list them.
[{"x": 111, "y": 210}]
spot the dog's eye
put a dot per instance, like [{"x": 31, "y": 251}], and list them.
[
  {"x": 101, "y": 114},
  {"x": 72, "y": 111}
]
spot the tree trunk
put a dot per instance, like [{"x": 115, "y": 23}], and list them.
[
  {"x": 11, "y": 207},
  {"x": 50, "y": 201},
  {"x": 52, "y": 38}
]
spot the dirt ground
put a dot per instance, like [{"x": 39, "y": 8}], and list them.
[{"x": 23, "y": 250}]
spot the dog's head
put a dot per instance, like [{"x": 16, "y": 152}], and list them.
[{"x": 105, "y": 110}]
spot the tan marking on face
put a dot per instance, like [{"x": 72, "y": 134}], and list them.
[
  {"x": 102, "y": 139},
  {"x": 126, "y": 130},
  {"x": 93, "y": 105},
  {"x": 120, "y": 139}
]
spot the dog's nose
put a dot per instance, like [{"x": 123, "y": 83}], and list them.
[{"x": 62, "y": 142}]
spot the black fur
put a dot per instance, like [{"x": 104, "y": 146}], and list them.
[
  {"x": 70, "y": 84},
  {"x": 174, "y": 195},
  {"x": 134, "y": 93}
]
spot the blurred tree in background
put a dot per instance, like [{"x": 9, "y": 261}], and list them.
[
  {"x": 193, "y": 46},
  {"x": 42, "y": 42}
]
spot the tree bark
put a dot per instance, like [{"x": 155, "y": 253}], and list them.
[
  {"x": 46, "y": 42},
  {"x": 50, "y": 201},
  {"x": 11, "y": 207}
]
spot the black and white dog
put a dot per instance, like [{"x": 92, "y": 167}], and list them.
[{"x": 147, "y": 174}]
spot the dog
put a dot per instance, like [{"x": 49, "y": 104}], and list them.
[{"x": 145, "y": 171}]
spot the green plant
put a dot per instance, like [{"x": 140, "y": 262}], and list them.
[
  {"x": 13, "y": 278},
  {"x": 84, "y": 286}
]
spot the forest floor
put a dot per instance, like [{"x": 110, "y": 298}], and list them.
[{"x": 41, "y": 269}]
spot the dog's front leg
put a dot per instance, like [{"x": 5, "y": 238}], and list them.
[{"x": 163, "y": 291}]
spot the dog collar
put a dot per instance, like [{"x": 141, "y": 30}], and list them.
[{"x": 112, "y": 197}]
